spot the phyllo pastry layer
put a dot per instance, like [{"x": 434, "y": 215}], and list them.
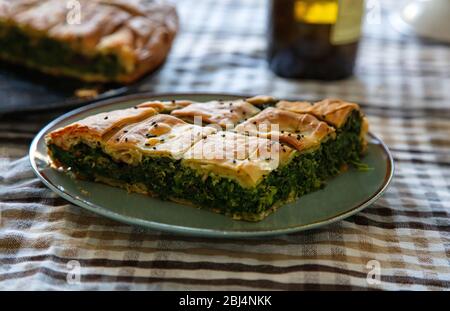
[
  {"x": 165, "y": 106},
  {"x": 335, "y": 112},
  {"x": 302, "y": 131},
  {"x": 222, "y": 113},
  {"x": 266, "y": 159},
  {"x": 347, "y": 118},
  {"x": 160, "y": 135},
  {"x": 95, "y": 130},
  {"x": 93, "y": 40}
]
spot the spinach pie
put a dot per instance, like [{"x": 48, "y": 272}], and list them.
[
  {"x": 243, "y": 158},
  {"x": 92, "y": 40}
]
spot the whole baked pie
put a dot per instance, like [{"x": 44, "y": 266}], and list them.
[{"x": 92, "y": 40}]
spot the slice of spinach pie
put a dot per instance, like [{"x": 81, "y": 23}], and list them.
[
  {"x": 93, "y": 40},
  {"x": 246, "y": 172},
  {"x": 351, "y": 128}
]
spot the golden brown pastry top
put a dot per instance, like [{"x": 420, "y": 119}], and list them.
[
  {"x": 222, "y": 113},
  {"x": 243, "y": 158},
  {"x": 332, "y": 111},
  {"x": 166, "y": 106},
  {"x": 301, "y": 131},
  {"x": 135, "y": 30},
  {"x": 97, "y": 128},
  {"x": 261, "y": 100},
  {"x": 159, "y": 135}
]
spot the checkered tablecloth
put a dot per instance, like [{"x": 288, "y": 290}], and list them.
[{"x": 403, "y": 85}]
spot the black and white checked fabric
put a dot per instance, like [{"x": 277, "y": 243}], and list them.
[{"x": 402, "y": 84}]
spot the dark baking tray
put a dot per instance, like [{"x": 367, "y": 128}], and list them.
[{"x": 22, "y": 90}]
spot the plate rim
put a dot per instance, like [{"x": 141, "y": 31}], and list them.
[{"x": 185, "y": 230}]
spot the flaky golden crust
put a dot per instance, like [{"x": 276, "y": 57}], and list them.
[
  {"x": 332, "y": 111},
  {"x": 261, "y": 100},
  {"x": 301, "y": 131},
  {"x": 159, "y": 135},
  {"x": 166, "y": 106},
  {"x": 138, "y": 32},
  {"x": 98, "y": 128},
  {"x": 222, "y": 113},
  {"x": 10, "y": 8}
]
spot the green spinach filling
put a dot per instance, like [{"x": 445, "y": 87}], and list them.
[
  {"x": 41, "y": 52},
  {"x": 345, "y": 149},
  {"x": 169, "y": 178}
]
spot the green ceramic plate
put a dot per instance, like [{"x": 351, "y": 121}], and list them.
[{"x": 343, "y": 196}]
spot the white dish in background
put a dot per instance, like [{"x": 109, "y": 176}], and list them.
[{"x": 425, "y": 18}]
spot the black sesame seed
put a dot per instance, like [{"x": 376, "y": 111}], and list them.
[
  {"x": 126, "y": 139},
  {"x": 234, "y": 161},
  {"x": 106, "y": 118},
  {"x": 223, "y": 135},
  {"x": 154, "y": 148},
  {"x": 147, "y": 144},
  {"x": 135, "y": 107},
  {"x": 117, "y": 139},
  {"x": 282, "y": 132},
  {"x": 125, "y": 131}
]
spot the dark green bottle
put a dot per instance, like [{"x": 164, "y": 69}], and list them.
[{"x": 314, "y": 39}]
